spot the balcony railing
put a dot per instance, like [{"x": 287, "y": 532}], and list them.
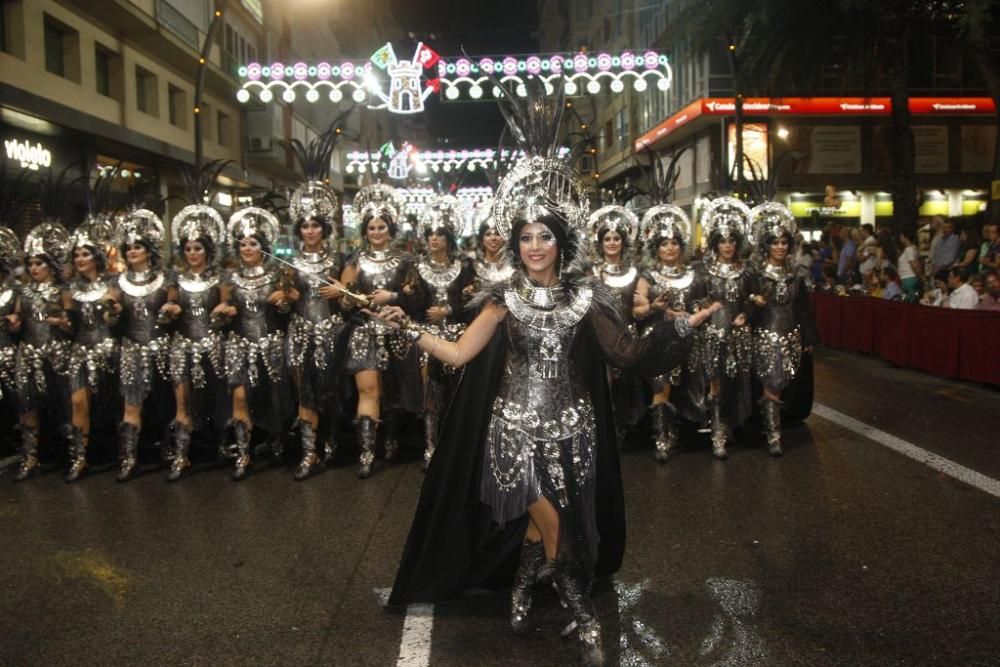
[{"x": 173, "y": 20}]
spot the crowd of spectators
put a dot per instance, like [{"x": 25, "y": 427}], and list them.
[{"x": 953, "y": 263}]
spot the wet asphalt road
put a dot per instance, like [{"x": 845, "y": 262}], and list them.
[{"x": 840, "y": 553}]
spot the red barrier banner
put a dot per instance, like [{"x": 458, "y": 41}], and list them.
[{"x": 856, "y": 324}]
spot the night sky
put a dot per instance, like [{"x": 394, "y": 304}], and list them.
[{"x": 483, "y": 28}]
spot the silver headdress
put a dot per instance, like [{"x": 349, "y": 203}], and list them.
[
  {"x": 377, "y": 200},
  {"x": 726, "y": 217},
  {"x": 252, "y": 221},
  {"x": 539, "y": 184},
  {"x": 615, "y": 218},
  {"x": 666, "y": 221},
  {"x": 445, "y": 211},
  {"x": 482, "y": 215},
  {"x": 314, "y": 198},
  {"x": 10, "y": 248},
  {"x": 197, "y": 221},
  {"x": 139, "y": 225},
  {"x": 48, "y": 239},
  {"x": 771, "y": 220},
  {"x": 97, "y": 232}
]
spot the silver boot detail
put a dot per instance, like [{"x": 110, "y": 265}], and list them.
[
  {"x": 241, "y": 432},
  {"x": 367, "y": 431},
  {"x": 770, "y": 412},
  {"x": 182, "y": 443},
  {"x": 309, "y": 456},
  {"x": 128, "y": 451},
  {"x": 29, "y": 453},
  {"x": 528, "y": 569}
]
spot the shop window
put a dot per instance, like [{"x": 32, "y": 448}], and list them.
[
  {"x": 177, "y": 99},
  {"x": 62, "y": 49},
  {"x": 226, "y": 130},
  {"x": 147, "y": 98}
]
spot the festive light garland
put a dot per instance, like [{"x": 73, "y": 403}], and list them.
[
  {"x": 464, "y": 77},
  {"x": 408, "y": 159},
  {"x": 414, "y": 200}
]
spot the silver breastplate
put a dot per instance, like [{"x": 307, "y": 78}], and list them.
[
  {"x": 439, "y": 278},
  {"x": 676, "y": 282},
  {"x": 198, "y": 295},
  {"x": 142, "y": 296},
  {"x": 89, "y": 298},
  {"x": 255, "y": 317},
  {"x": 378, "y": 268},
  {"x": 312, "y": 272},
  {"x": 493, "y": 272},
  {"x": 39, "y": 301},
  {"x": 540, "y": 382}
]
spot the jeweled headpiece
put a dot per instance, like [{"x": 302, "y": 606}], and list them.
[
  {"x": 252, "y": 221},
  {"x": 198, "y": 221},
  {"x": 666, "y": 221},
  {"x": 539, "y": 183},
  {"x": 48, "y": 239},
  {"x": 771, "y": 220},
  {"x": 725, "y": 217},
  {"x": 377, "y": 200},
  {"x": 95, "y": 231},
  {"x": 442, "y": 211},
  {"x": 10, "y": 248},
  {"x": 613, "y": 218},
  {"x": 314, "y": 198},
  {"x": 139, "y": 225}
]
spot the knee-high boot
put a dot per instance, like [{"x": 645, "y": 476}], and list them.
[
  {"x": 665, "y": 428},
  {"x": 367, "y": 431},
  {"x": 528, "y": 568},
  {"x": 242, "y": 433},
  {"x": 182, "y": 443},
  {"x": 770, "y": 412},
  {"x": 29, "y": 453},
  {"x": 310, "y": 458},
  {"x": 430, "y": 435},
  {"x": 578, "y": 600},
  {"x": 390, "y": 424},
  {"x": 78, "y": 441},
  {"x": 720, "y": 432},
  {"x": 128, "y": 451}
]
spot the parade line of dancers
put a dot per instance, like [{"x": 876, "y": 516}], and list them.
[{"x": 526, "y": 362}]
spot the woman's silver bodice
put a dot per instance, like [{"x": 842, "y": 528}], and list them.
[
  {"x": 780, "y": 287},
  {"x": 142, "y": 295},
  {"x": 197, "y": 294},
  {"x": 725, "y": 283},
  {"x": 39, "y": 301},
  {"x": 677, "y": 281},
  {"x": 619, "y": 277},
  {"x": 493, "y": 272},
  {"x": 255, "y": 317},
  {"x": 377, "y": 270},
  {"x": 8, "y": 299},
  {"x": 89, "y": 299},
  {"x": 542, "y": 390},
  {"x": 439, "y": 278},
  {"x": 312, "y": 269}
]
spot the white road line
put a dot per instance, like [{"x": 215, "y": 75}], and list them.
[
  {"x": 939, "y": 463},
  {"x": 415, "y": 644}
]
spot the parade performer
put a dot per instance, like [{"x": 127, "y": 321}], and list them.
[
  {"x": 527, "y": 447},
  {"x": 723, "y": 346},
  {"x": 783, "y": 324},
  {"x": 385, "y": 366},
  {"x": 445, "y": 276},
  {"x": 667, "y": 288},
  {"x": 316, "y": 320},
  {"x": 44, "y": 347},
  {"x": 492, "y": 262},
  {"x": 90, "y": 310},
  {"x": 149, "y": 302},
  {"x": 196, "y": 366},
  {"x": 254, "y": 352},
  {"x": 10, "y": 324},
  {"x": 613, "y": 230}
]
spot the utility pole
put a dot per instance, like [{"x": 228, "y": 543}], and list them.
[{"x": 199, "y": 84}]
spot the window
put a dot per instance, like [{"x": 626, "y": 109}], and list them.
[
  {"x": 205, "y": 115},
  {"x": 102, "y": 71},
  {"x": 146, "y": 97},
  {"x": 177, "y": 99},
  {"x": 227, "y": 130},
  {"x": 62, "y": 49},
  {"x": 55, "y": 57},
  {"x": 609, "y": 138},
  {"x": 621, "y": 127}
]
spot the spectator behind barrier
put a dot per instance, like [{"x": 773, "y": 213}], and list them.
[
  {"x": 908, "y": 266},
  {"x": 945, "y": 247},
  {"x": 962, "y": 296},
  {"x": 890, "y": 278},
  {"x": 991, "y": 300},
  {"x": 938, "y": 293}
]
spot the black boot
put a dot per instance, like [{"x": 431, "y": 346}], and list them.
[
  {"x": 182, "y": 443},
  {"x": 329, "y": 448},
  {"x": 241, "y": 431},
  {"x": 128, "y": 451},
  {"x": 532, "y": 560},
  {"x": 770, "y": 413},
  {"x": 29, "y": 453},
  {"x": 665, "y": 428},
  {"x": 430, "y": 436},
  {"x": 578, "y": 600},
  {"x": 367, "y": 431},
  {"x": 78, "y": 441},
  {"x": 389, "y": 426},
  {"x": 307, "y": 434},
  {"x": 720, "y": 432}
]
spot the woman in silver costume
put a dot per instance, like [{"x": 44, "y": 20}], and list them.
[
  {"x": 543, "y": 471},
  {"x": 613, "y": 230},
  {"x": 254, "y": 353},
  {"x": 783, "y": 324},
  {"x": 44, "y": 346},
  {"x": 385, "y": 366},
  {"x": 316, "y": 320},
  {"x": 149, "y": 302},
  {"x": 90, "y": 310},
  {"x": 10, "y": 323},
  {"x": 723, "y": 345},
  {"x": 667, "y": 287},
  {"x": 492, "y": 263},
  {"x": 444, "y": 276},
  {"x": 196, "y": 367}
]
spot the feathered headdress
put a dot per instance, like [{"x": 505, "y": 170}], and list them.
[
  {"x": 253, "y": 221},
  {"x": 725, "y": 218},
  {"x": 48, "y": 240},
  {"x": 314, "y": 198}
]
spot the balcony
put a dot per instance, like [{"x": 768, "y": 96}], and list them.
[{"x": 174, "y": 21}]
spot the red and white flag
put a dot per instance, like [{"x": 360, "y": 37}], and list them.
[{"x": 426, "y": 56}]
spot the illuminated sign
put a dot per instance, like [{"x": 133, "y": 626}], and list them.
[{"x": 28, "y": 156}]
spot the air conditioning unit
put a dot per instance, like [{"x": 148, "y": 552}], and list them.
[{"x": 260, "y": 144}]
